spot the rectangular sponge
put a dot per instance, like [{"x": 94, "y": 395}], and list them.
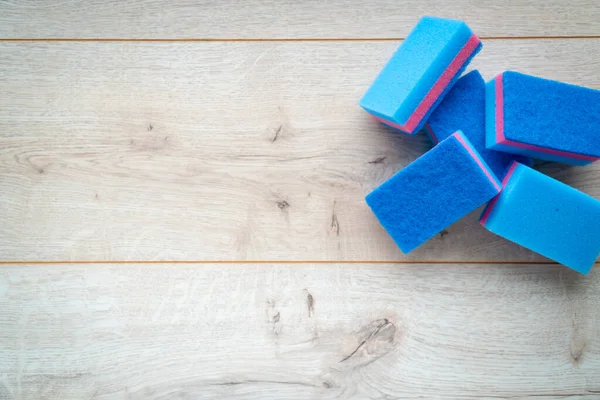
[
  {"x": 463, "y": 108},
  {"x": 416, "y": 78},
  {"x": 546, "y": 216},
  {"x": 434, "y": 191},
  {"x": 543, "y": 119}
]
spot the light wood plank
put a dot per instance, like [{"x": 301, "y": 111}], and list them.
[
  {"x": 298, "y": 332},
  {"x": 287, "y": 18},
  {"x": 212, "y": 151}
]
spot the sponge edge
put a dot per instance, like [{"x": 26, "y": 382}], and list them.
[
  {"x": 546, "y": 216},
  {"x": 420, "y": 73},
  {"x": 464, "y": 108},
  {"x": 543, "y": 119},
  {"x": 433, "y": 192}
]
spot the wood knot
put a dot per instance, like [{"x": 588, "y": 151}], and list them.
[
  {"x": 276, "y": 135},
  {"x": 310, "y": 304},
  {"x": 374, "y": 341},
  {"x": 578, "y": 345},
  {"x": 335, "y": 223},
  {"x": 282, "y": 204},
  {"x": 378, "y": 160}
]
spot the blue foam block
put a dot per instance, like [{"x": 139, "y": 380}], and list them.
[
  {"x": 543, "y": 119},
  {"x": 421, "y": 71},
  {"x": 434, "y": 191},
  {"x": 463, "y": 108},
  {"x": 546, "y": 216}
]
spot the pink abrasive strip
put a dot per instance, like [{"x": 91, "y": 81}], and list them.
[
  {"x": 469, "y": 147},
  {"x": 491, "y": 204}
]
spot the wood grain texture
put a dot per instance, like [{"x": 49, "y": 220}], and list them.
[
  {"x": 223, "y": 151},
  {"x": 299, "y": 332},
  {"x": 287, "y": 18}
]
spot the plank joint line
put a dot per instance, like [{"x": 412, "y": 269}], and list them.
[
  {"x": 404, "y": 262},
  {"x": 250, "y": 40}
]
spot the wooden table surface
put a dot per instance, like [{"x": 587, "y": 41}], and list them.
[{"x": 182, "y": 210}]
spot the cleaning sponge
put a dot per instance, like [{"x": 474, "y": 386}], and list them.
[
  {"x": 464, "y": 108},
  {"x": 543, "y": 119},
  {"x": 546, "y": 216},
  {"x": 420, "y": 72},
  {"x": 437, "y": 189}
]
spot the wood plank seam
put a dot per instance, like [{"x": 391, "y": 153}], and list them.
[
  {"x": 401, "y": 262},
  {"x": 242, "y": 40}
]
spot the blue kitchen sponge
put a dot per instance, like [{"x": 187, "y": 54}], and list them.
[
  {"x": 543, "y": 119},
  {"x": 546, "y": 216},
  {"x": 434, "y": 191},
  {"x": 463, "y": 108},
  {"x": 420, "y": 72}
]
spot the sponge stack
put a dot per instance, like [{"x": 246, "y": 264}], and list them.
[
  {"x": 480, "y": 132},
  {"x": 420, "y": 72}
]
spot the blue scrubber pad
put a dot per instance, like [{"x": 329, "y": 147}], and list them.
[
  {"x": 546, "y": 216},
  {"x": 463, "y": 108},
  {"x": 420, "y": 72},
  {"x": 434, "y": 191},
  {"x": 543, "y": 119}
]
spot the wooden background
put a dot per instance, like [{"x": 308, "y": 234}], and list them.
[{"x": 182, "y": 210}]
